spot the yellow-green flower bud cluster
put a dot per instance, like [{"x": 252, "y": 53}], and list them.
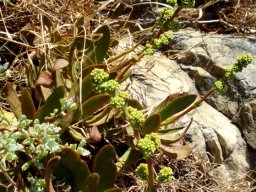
[
  {"x": 135, "y": 117},
  {"x": 101, "y": 83},
  {"x": 142, "y": 171},
  {"x": 149, "y": 144},
  {"x": 165, "y": 15},
  {"x": 220, "y": 87},
  {"x": 149, "y": 50},
  {"x": 229, "y": 72},
  {"x": 99, "y": 76},
  {"x": 242, "y": 62},
  {"x": 119, "y": 101},
  {"x": 186, "y": 3},
  {"x": 164, "y": 39},
  {"x": 175, "y": 26},
  {"x": 171, "y": 2},
  {"x": 108, "y": 87},
  {"x": 165, "y": 175}
]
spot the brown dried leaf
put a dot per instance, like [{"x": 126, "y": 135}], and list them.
[
  {"x": 178, "y": 152},
  {"x": 60, "y": 64},
  {"x": 45, "y": 79}
]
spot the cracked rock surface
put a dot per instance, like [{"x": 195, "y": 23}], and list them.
[{"x": 206, "y": 57}]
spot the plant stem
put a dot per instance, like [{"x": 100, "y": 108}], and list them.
[{"x": 151, "y": 176}]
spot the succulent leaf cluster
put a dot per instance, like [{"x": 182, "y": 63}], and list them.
[
  {"x": 149, "y": 144},
  {"x": 38, "y": 140},
  {"x": 142, "y": 171}
]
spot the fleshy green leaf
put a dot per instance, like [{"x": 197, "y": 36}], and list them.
[
  {"x": 13, "y": 100},
  {"x": 53, "y": 102},
  {"x": 87, "y": 87},
  {"x": 101, "y": 46},
  {"x": 176, "y": 106},
  {"x": 72, "y": 169},
  {"x": 128, "y": 159},
  {"x": 170, "y": 130},
  {"x": 48, "y": 171},
  {"x": 135, "y": 104},
  {"x": 93, "y": 104},
  {"x": 103, "y": 164},
  {"x": 92, "y": 183},
  {"x": 27, "y": 104},
  {"x": 151, "y": 124},
  {"x": 168, "y": 138}
]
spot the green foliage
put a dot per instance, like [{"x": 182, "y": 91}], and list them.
[
  {"x": 171, "y": 2},
  {"x": 186, "y": 3},
  {"x": 175, "y": 26},
  {"x": 142, "y": 171},
  {"x": 165, "y": 175}
]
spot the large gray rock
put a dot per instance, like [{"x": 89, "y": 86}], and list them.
[
  {"x": 205, "y": 60},
  {"x": 212, "y": 135}
]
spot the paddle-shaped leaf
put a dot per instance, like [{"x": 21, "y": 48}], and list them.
[
  {"x": 87, "y": 87},
  {"x": 48, "y": 171},
  {"x": 104, "y": 165},
  {"x": 13, "y": 100},
  {"x": 168, "y": 138},
  {"x": 27, "y": 104},
  {"x": 176, "y": 106},
  {"x": 92, "y": 183},
  {"x": 53, "y": 102},
  {"x": 135, "y": 104},
  {"x": 101, "y": 46},
  {"x": 151, "y": 124},
  {"x": 128, "y": 159},
  {"x": 93, "y": 104},
  {"x": 72, "y": 169}
]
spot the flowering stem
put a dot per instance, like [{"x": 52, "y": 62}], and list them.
[{"x": 151, "y": 176}]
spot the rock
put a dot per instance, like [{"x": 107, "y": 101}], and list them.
[
  {"x": 211, "y": 132},
  {"x": 205, "y": 61}
]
